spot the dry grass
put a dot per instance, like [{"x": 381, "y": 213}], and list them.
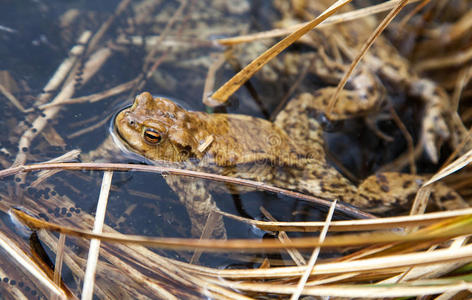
[{"x": 438, "y": 244}]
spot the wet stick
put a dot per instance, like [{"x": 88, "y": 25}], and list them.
[{"x": 347, "y": 209}]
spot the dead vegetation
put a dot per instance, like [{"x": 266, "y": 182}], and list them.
[{"x": 424, "y": 254}]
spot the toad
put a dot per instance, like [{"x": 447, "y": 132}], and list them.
[{"x": 287, "y": 153}]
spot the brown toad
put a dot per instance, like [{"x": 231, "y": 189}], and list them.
[{"x": 287, "y": 153}]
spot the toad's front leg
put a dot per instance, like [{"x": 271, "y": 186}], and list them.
[{"x": 201, "y": 208}]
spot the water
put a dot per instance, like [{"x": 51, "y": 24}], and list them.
[{"x": 164, "y": 48}]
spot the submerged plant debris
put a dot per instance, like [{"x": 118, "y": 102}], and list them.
[{"x": 69, "y": 67}]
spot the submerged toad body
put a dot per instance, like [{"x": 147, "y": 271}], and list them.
[{"x": 287, "y": 153}]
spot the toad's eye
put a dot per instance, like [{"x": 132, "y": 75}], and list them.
[{"x": 152, "y": 136}]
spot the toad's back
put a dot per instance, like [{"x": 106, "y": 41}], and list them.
[{"x": 161, "y": 130}]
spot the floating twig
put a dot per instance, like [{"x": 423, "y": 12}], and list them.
[{"x": 350, "y": 210}]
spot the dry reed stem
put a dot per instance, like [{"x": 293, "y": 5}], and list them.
[
  {"x": 422, "y": 196},
  {"x": 25, "y": 261},
  {"x": 165, "y": 266},
  {"x": 451, "y": 60},
  {"x": 59, "y": 261},
  {"x": 455, "y": 166},
  {"x": 402, "y": 277},
  {"x": 211, "y": 222},
  {"x": 282, "y": 236},
  {"x": 154, "y": 286},
  {"x": 171, "y": 41},
  {"x": 95, "y": 97},
  {"x": 89, "y": 278},
  {"x": 370, "y": 251},
  {"x": 353, "y": 291},
  {"x": 286, "y": 273},
  {"x": 355, "y": 225},
  {"x": 433, "y": 271},
  {"x": 12, "y": 98},
  {"x": 421, "y": 201},
  {"x": 71, "y": 259},
  {"x": 210, "y": 78},
  {"x": 344, "y": 17},
  {"x": 173, "y": 270},
  {"x": 75, "y": 263},
  {"x": 459, "y": 28},
  {"x": 465, "y": 74},
  {"x": 467, "y": 134},
  {"x": 332, "y": 279},
  {"x": 447, "y": 295},
  {"x": 90, "y": 128},
  {"x": 452, "y": 228},
  {"x": 365, "y": 47},
  {"x": 208, "y": 141},
  {"x": 173, "y": 171},
  {"x": 42, "y": 175},
  {"x": 149, "y": 261},
  {"x": 232, "y": 85},
  {"x": 377, "y": 264},
  {"x": 314, "y": 256},
  {"x": 413, "y": 12}
]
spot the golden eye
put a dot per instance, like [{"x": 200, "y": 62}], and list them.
[{"x": 152, "y": 136}]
